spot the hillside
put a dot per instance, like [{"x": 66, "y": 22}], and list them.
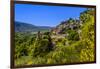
[
  {"x": 72, "y": 41},
  {"x": 25, "y": 27}
]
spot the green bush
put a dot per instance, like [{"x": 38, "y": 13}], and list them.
[{"x": 73, "y": 35}]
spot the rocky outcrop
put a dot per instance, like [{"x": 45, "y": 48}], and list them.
[{"x": 72, "y": 24}]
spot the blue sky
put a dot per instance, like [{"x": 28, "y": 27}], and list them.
[{"x": 41, "y": 15}]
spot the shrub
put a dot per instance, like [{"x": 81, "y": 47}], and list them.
[{"x": 73, "y": 35}]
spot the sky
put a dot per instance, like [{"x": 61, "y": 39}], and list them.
[{"x": 42, "y": 15}]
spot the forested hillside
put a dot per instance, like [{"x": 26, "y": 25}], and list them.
[
  {"x": 72, "y": 41},
  {"x": 25, "y": 27}
]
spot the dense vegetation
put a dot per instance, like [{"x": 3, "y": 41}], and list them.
[{"x": 71, "y": 41}]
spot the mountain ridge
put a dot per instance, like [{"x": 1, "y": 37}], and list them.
[{"x": 25, "y": 27}]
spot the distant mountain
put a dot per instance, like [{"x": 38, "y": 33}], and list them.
[{"x": 25, "y": 27}]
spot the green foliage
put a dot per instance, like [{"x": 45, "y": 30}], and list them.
[
  {"x": 71, "y": 20},
  {"x": 88, "y": 38},
  {"x": 40, "y": 47},
  {"x": 72, "y": 47},
  {"x": 73, "y": 35}
]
